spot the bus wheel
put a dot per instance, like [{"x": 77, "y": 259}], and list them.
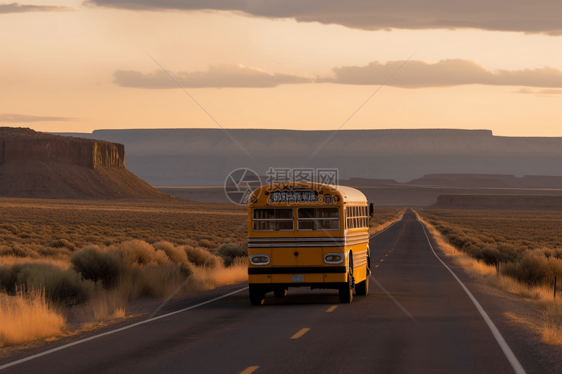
[
  {"x": 363, "y": 287},
  {"x": 280, "y": 292},
  {"x": 257, "y": 295},
  {"x": 346, "y": 290}
]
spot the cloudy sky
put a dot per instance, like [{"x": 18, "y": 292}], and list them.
[{"x": 97, "y": 64}]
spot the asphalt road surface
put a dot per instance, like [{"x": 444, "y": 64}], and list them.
[{"x": 424, "y": 323}]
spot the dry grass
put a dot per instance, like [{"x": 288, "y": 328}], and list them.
[
  {"x": 525, "y": 245},
  {"x": 55, "y": 229},
  {"x": 206, "y": 279},
  {"x": 520, "y": 230},
  {"x": 27, "y": 316},
  {"x": 551, "y": 335},
  {"x": 13, "y": 260},
  {"x": 104, "y": 306},
  {"x": 541, "y": 295},
  {"x": 384, "y": 217},
  {"x": 98, "y": 256}
]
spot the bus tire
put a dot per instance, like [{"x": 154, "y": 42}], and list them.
[
  {"x": 346, "y": 290},
  {"x": 257, "y": 295},
  {"x": 280, "y": 292},
  {"x": 363, "y": 287}
]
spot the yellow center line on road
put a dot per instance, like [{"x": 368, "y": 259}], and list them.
[
  {"x": 382, "y": 260},
  {"x": 249, "y": 370},
  {"x": 377, "y": 266},
  {"x": 300, "y": 333},
  {"x": 331, "y": 309}
]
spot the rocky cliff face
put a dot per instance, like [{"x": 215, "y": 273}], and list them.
[
  {"x": 23, "y": 145},
  {"x": 36, "y": 165}
]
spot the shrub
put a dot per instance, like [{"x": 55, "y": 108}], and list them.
[
  {"x": 62, "y": 287},
  {"x": 22, "y": 251},
  {"x": 228, "y": 252},
  {"x": 508, "y": 253},
  {"x": 139, "y": 252},
  {"x": 531, "y": 270},
  {"x": 62, "y": 243},
  {"x": 490, "y": 255},
  {"x": 196, "y": 255},
  {"x": 60, "y": 252},
  {"x": 155, "y": 281},
  {"x": 187, "y": 268},
  {"x": 11, "y": 228},
  {"x": 214, "y": 262},
  {"x": 205, "y": 243},
  {"x": 188, "y": 241},
  {"x": 107, "y": 242},
  {"x": 458, "y": 240},
  {"x": 6, "y": 251},
  {"x": 97, "y": 266},
  {"x": 175, "y": 254}
]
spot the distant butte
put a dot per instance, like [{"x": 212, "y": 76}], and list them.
[{"x": 37, "y": 165}]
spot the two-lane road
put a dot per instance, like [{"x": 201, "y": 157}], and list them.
[{"x": 424, "y": 323}]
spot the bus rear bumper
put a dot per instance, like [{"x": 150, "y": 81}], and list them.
[
  {"x": 298, "y": 280},
  {"x": 270, "y": 287}
]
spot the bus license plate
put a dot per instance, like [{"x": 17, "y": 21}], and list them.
[{"x": 297, "y": 278}]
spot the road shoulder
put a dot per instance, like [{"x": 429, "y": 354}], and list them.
[
  {"x": 140, "y": 311},
  {"x": 513, "y": 315}
]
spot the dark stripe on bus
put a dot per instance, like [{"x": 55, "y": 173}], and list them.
[{"x": 299, "y": 270}]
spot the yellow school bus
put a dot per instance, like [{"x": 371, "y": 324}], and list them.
[{"x": 308, "y": 235}]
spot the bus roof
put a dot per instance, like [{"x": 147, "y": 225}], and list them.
[{"x": 351, "y": 194}]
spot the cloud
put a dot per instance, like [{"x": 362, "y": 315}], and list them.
[
  {"x": 217, "y": 76},
  {"x": 414, "y": 74},
  {"x": 539, "y": 16},
  {"x": 14, "y": 118},
  {"x": 546, "y": 91},
  {"x": 450, "y": 72},
  {"x": 20, "y": 8}
]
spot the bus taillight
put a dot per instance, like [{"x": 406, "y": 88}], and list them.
[
  {"x": 260, "y": 260},
  {"x": 333, "y": 258}
]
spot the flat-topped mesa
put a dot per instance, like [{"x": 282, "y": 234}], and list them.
[
  {"x": 499, "y": 202},
  {"x": 21, "y": 145},
  {"x": 45, "y": 166}
]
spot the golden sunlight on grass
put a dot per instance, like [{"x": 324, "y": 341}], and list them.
[
  {"x": 26, "y": 317},
  {"x": 95, "y": 259},
  {"x": 206, "y": 279},
  {"x": 551, "y": 335},
  {"x": 541, "y": 295},
  {"x": 384, "y": 217},
  {"x": 12, "y": 260},
  {"x": 107, "y": 305}
]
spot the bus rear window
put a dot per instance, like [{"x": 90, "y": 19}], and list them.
[
  {"x": 277, "y": 219},
  {"x": 319, "y": 219}
]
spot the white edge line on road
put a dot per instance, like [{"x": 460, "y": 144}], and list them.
[
  {"x": 499, "y": 338},
  {"x": 393, "y": 299},
  {"x": 114, "y": 331}
]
